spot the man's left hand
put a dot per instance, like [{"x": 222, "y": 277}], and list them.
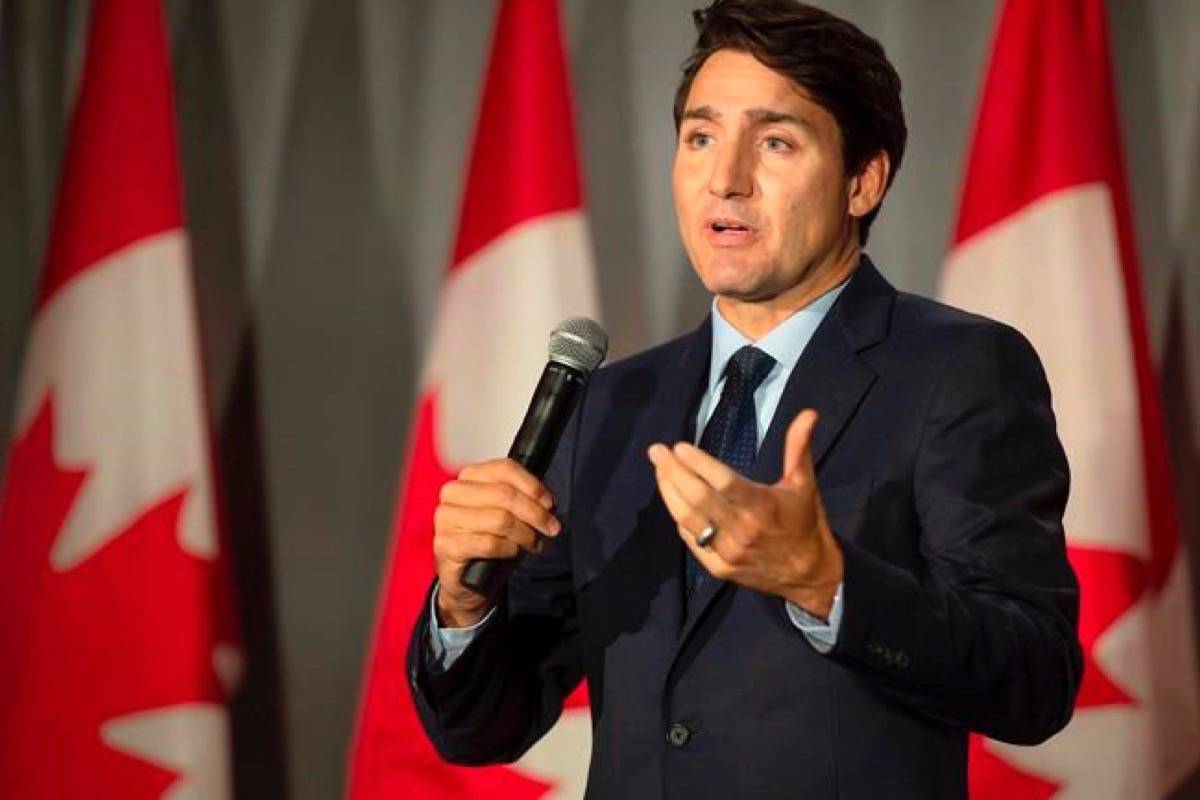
[{"x": 771, "y": 538}]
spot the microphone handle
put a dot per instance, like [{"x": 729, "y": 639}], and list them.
[{"x": 554, "y": 399}]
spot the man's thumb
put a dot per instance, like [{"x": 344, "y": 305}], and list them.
[{"x": 797, "y": 450}]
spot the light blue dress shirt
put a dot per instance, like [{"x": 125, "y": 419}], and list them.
[{"x": 785, "y": 343}]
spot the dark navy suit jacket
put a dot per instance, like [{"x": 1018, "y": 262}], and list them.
[{"x": 944, "y": 480}]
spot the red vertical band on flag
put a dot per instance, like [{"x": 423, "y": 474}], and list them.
[
  {"x": 1045, "y": 119},
  {"x": 123, "y": 125},
  {"x": 526, "y": 132}
]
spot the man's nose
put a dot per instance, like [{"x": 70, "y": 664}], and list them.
[{"x": 732, "y": 174}]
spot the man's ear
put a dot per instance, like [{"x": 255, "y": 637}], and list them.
[{"x": 868, "y": 186}]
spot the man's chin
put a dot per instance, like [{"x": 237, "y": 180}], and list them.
[
  {"x": 747, "y": 296},
  {"x": 736, "y": 285}
]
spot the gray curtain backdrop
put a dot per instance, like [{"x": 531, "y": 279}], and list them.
[{"x": 323, "y": 144}]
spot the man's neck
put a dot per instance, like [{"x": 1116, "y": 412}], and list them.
[{"x": 754, "y": 319}]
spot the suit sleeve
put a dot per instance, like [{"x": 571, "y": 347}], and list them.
[
  {"x": 508, "y": 686},
  {"x": 985, "y": 638}
]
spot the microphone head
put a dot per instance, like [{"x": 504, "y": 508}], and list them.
[{"x": 579, "y": 342}]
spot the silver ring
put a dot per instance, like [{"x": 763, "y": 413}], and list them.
[{"x": 705, "y": 537}]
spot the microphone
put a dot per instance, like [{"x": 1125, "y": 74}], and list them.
[{"x": 577, "y": 346}]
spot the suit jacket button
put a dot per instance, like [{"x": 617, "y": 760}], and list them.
[
  {"x": 902, "y": 660},
  {"x": 678, "y": 734}
]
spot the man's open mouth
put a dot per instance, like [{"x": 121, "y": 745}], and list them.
[{"x": 723, "y": 225}]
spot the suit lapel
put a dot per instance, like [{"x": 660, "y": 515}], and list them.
[
  {"x": 669, "y": 421},
  {"x": 829, "y": 377},
  {"x": 674, "y": 417}
]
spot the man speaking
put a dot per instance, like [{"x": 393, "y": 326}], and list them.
[{"x": 805, "y": 549}]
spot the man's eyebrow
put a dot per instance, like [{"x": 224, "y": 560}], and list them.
[
  {"x": 759, "y": 116},
  {"x": 701, "y": 112},
  {"x": 767, "y": 116}
]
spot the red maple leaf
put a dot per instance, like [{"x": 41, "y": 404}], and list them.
[{"x": 129, "y": 629}]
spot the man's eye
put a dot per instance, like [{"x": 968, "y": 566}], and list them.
[
  {"x": 776, "y": 145},
  {"x": 699, "y": 140}
]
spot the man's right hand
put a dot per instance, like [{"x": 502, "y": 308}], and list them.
[{"x": 493, "y": 509}]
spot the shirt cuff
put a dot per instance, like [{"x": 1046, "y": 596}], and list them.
[
  {"x": 447, "y": 644},
  {"x": 821, "y": 635}
]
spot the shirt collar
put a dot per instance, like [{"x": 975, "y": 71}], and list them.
[{"x": 785, "y": 342}]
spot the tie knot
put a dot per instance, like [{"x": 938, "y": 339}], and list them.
[{"x": 749, "y": 365}]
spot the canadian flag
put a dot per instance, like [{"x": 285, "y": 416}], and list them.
[
  {"x": 116, "y": 622},
  {"x": 521, "y": 263},
  {"x": 1045, "y": 242}
]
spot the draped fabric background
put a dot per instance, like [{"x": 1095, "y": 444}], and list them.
[{"x": 323, "y": 147}]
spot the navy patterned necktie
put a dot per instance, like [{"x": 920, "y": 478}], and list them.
[{"x": 731, "y": 434}]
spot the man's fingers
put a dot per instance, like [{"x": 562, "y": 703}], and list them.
[
  {"x": 797, "y": 450},
  {"x": 689, "y": 525},
  {"x": 708, "y": 557},
  {"x": 715, "y": 473},
  {"x": 699, "y": 503},
  {"x": 470, "y": 494},
  {"x": 467, "y": 545},
  {"x": 494, "y": 522},
  {"x": 505, "y": 470},
  {"x": 681, "y": 511},
  {"x": 730, "y": 488}
]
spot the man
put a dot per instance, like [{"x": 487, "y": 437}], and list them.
[{"x": 805, "y": 549}]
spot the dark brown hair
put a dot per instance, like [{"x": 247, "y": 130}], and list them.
[{"x": 838, "y": 66}]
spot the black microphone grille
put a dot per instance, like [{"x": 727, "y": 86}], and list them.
[{"x": 579, "y": 342}]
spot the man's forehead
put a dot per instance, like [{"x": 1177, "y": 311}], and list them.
[{"x": 730, "y": 78}]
